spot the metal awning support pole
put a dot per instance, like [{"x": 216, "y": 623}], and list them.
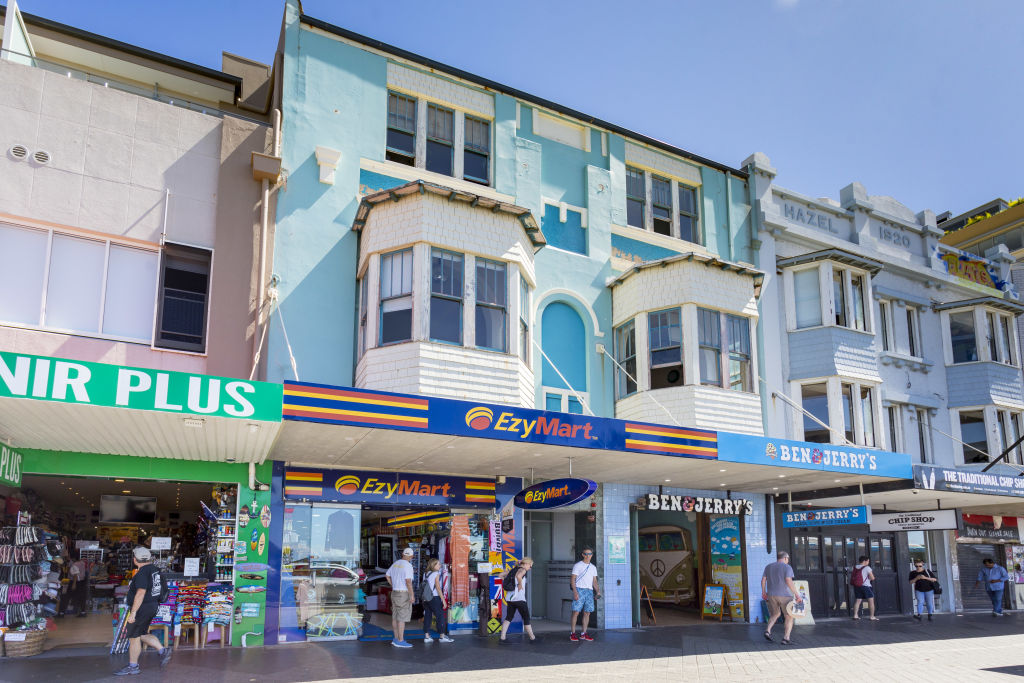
[
  {"x": 861, "y": 487},
  {"x": 789, "y": 500}
]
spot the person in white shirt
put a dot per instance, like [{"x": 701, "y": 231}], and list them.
[
  {"x": 864, "y": 592},
  {"x": 434, "y": 604},
  {"x": 515, "y": 600},
  {"x": 400, "y": 576},
  {"x": 584, "y": 590}
]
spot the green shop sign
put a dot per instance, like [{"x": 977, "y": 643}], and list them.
[
  {"x": 10, "y": 467},
  {"x": 99, "y": 384}
]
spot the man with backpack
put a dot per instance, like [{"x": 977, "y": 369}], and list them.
[
  {"x": 145, "y": 593},
  {"x": 861, "y": 579}
]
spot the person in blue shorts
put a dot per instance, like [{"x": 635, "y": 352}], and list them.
[{"x": 584, "y": 590}]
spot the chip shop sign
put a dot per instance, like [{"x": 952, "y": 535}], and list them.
[
  {"x": 99, "y": 384},
  {"x": 926, "y": 520},
  {"x": 860, "y": 514},
  {"x": 556, "y": 493},
  {"x": 10, "y": 467}
]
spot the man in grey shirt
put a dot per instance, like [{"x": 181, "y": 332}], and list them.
[{"x": 778, "y": 591}]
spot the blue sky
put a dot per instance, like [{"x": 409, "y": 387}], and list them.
[{"x": 917, "y": 99}]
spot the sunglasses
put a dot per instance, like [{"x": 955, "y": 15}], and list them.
[{"x": 587, "y": 554}]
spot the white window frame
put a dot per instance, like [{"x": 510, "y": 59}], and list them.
[
  {"x": 886, "y": 327},
  {"x": 565, "y": 395},
  {"x": 991, "y": 423},
  {"x": 621, "y": 380},
  {"x": 837, "y": 421},
  {"x": 914, "y": 342},
  {"x": 826, "y": 295},
  {"x": 894, "y": 427},
  {"x": 922, "y": 416},
  {"x": 107, "y": 242},
  {"x": 525, "y": 333},
  {"x": 649, "y": 174}
]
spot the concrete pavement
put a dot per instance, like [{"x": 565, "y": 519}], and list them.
[{"x": 951, "y": 648}]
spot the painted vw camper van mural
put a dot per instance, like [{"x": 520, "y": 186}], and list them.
[{"x": 666, "y": 563}]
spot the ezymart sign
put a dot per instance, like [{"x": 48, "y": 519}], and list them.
[{"x": 70, "y": 381}]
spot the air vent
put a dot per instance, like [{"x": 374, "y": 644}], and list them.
[
  {"x": 19, "y": 152},
  {"x": 42, "y": 157}
]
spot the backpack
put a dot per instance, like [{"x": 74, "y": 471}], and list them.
[
  {"x": 165, "y": 589},
  {"x": 857, "y": 578},
  {"x": 426, "y": 591},
  {"x": 508, "y": 584}
]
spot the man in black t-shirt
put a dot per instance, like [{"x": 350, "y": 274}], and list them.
[{"x": 144, "y": 592}]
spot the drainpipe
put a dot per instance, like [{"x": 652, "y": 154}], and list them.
[
  {"x": 264, "y": 226},
  {"x": 728, "y": 215}
]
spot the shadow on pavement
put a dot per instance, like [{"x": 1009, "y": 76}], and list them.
[{"x": 325, "y": 661}]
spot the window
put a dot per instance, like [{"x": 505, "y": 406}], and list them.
[
  {"x": 396, "y": 297},
  {"x": 867, "y": 416},
  {"x": 972, "y": 433},
  {"x": 446, "y": 271},
  {"x": 665, "y": 335},
  {"x": 183, "y": 295},
  {"x": 364, "y": 293},
  {"x": 961, "y": 334},
  {"x": 476, "y": 155},
  {"x": 924, "y": 439},
  {"x": 993, "y": 344},
  {"x": 1014, "y": 456},
  {"x": 738, "y": 329},
  {"x": 636, "y": 198},
  {"x": 553, "y": 402},
  {"x": 625, "y": 356},
  {"x": 710, "y": 341},
  {"x": 849, "y": 428},
  {"x": 490, "y": 305},
  {"x": 913, "y": 332},
  {"x": 524, "y": 320},
  {"x": 885, "y": 324},
  {"x": 661, "y": 205},
  {"x": 857, "y": 302},
  {"x": 573, "y": 405},
  {"x": 807, "y": 298},
  {"x": 440, "y": 140},
  {"x": 895, "y": 428},
  {"x": 689, "y": 228},
  {"x": 814, "y": 399},
  {"x": 88, "y": 285},
  {"x": 839, "y": 297},
  {"x": 401, "y": 139},
  {"x": 999, "y": 339}
]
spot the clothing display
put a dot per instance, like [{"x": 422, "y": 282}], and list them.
[{"x": 29, "y": 590}]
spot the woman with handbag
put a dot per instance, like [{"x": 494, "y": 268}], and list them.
[{"x": 926, "y": 586}]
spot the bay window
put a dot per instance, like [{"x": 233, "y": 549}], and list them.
[
  {"x": 962, "y": 336},
  {"x": 665, "y": 334},
  {"x": 625, "y": 356},
  {"x": 446, "y": 273},
  {"x": 807, "y": 298},
  {"x": 709, "y": 338},
  {"x": 856, "y": 411},
  {"x": 524, "y": 320},
  {"x": 396, "y": 297},
  {"x": 491, "y": 301},
  {"x": 724, "y": 341},
  {"x": 814, "y": 400},
  {"x": 974, "y": 436},
  {"x": 738, "y": 329}
]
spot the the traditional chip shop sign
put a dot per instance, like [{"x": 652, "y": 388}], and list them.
[
  {"x": 10, "y": 467},
  {"x": 711, "y": 506},
  {"x": 860, "y": 514},
  {"x": 554, "y": 494},
  {"x": 925, "y": 520},
  {"x": 99, "y": 384}
]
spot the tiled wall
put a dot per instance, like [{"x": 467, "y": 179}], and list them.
[{"x": 614, "y": 521}]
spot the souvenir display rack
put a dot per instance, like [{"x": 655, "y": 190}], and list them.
[{"x": 25, "y": 590}]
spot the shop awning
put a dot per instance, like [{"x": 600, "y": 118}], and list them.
[
  {"x": 68, "y": 405},
  {"x": 991, "y": 493},
  {"x": 341, "y": 427}
]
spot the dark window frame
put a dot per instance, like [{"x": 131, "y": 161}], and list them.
[
  {"x": 435, "y": 141},
  {"x": 694, "y": 216},
  {"x": 634, "y": 176},
  {"x": 395, "y": 122},
  {"x": 474, "y": 148},
  {"x": 188, "y": 259},
  {"x": 662, "y": 186}
]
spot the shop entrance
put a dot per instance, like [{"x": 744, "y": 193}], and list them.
[
  {"x": 678, "y": 553},
  {"x": 826, "y": 561},
  {"x": 335, "y": 558},
  {"x": 554, "y": 542},
  {"x": 970, "y": 557},
  {"x": 97, "y": 523}
]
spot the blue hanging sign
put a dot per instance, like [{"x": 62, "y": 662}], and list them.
[
  {"x": 556, "y": 493},
  {"x": 860, "y": 514}
]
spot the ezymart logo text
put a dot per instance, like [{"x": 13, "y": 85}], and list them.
[{"x": 481, "y": 418}]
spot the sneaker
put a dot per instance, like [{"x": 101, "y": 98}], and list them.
[
  {"x": 573, "y": 637},
  {"x": 929, "y": 616},
  {"x": 128, "y": 670},
  {"x": 918, "y": 616},
  {"x": 586, "y": 636},
  {"x": 445, "y": 639},
  {"x": 400, "y": 643},
  {"x": 427, "y": 638},
  {"x": 165, "y": 655}
]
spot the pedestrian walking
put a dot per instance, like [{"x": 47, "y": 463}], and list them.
[
  {"x": 515, "y": 598},
  {"x": 923, "y": 581},
  {"x": 994, "y": 577},
  {"x": 145, "y": 593},
  {"x": 778, "y": 590},
  {"x": 400, "y": 576},
  {"x": 434, "y": 604},
  {"x": 584, "y": 590},
  {"x": 861, "y": 579}
]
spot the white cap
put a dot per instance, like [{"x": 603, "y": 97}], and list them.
[
  {"x": 408, "y": 552},
  {"x": 142, "y": 554}
]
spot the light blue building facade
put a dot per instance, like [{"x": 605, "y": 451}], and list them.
[{"x": 442, "y": 235}]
